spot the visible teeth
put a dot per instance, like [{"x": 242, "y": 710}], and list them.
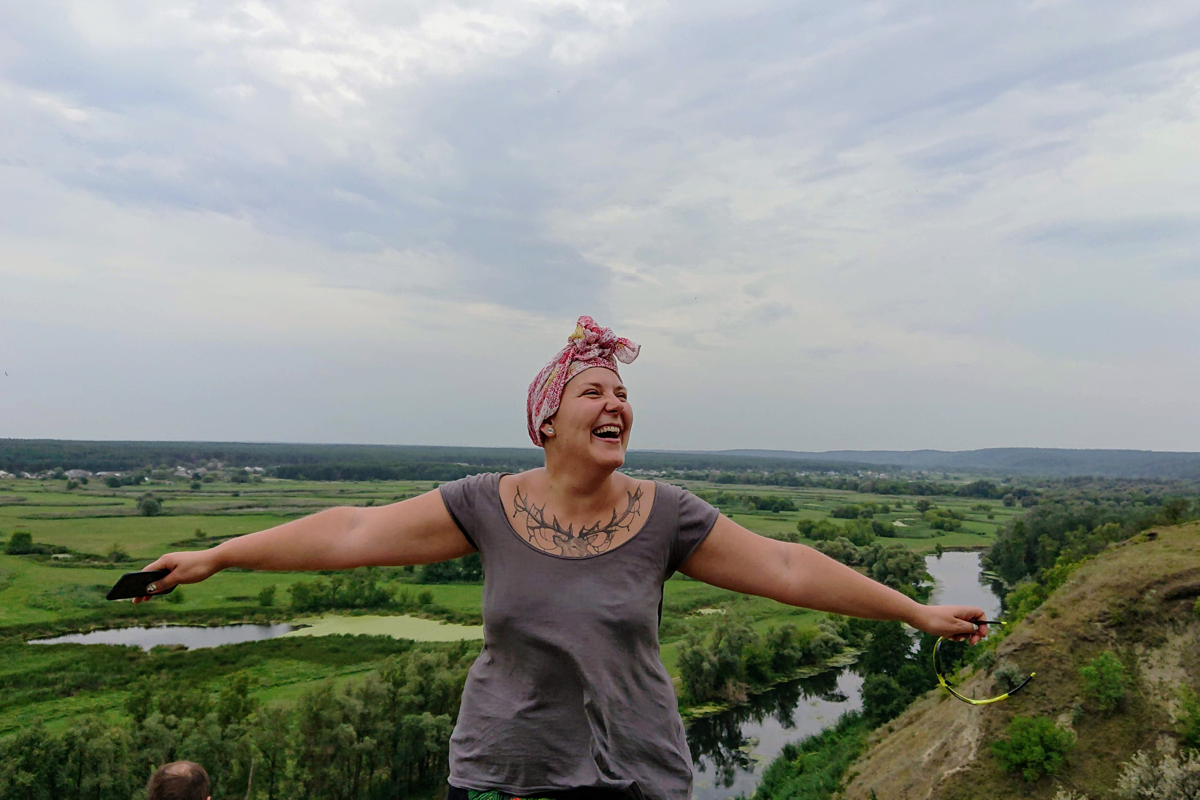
[{"x": 607, "y": 429}]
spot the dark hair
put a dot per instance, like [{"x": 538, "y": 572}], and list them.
[{"x": 179, "y": 780}]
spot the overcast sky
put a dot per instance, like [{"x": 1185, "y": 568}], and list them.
[{"x": 830, "y": 225}]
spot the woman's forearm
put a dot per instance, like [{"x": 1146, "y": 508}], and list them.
[
  {"x": 824, "y": 584},
  {"x": 310, "y": 543}
]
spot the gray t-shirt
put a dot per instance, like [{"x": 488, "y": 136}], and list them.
[{"x": 569, "y": 691}]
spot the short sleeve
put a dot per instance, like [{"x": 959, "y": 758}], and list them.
[
  {"x": 696, "y": 521},
  {"x": 465, "y": 498}
]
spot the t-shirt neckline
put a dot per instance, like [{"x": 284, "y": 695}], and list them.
[{"x": 504, "y": 513}]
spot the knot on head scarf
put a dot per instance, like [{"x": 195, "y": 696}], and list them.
[{"x": 589, "y": 346}]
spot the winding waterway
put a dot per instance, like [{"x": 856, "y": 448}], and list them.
[{"x": 731, "y": 749}]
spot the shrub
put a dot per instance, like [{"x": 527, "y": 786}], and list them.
[
  {"x": 1170, "y": 779},
  {"x": 1187, "y": 722},
  {"x": 72, "y": 484},
  {"x": 1035, "y": 747},
  {"x": 845, "y": 512},
  {"x": 1105, "y": 682},
  {"x": 266, "y": 596},
  {"x": 1025, "y": 597},
  {"x": 1008, "y": 675},
  {"x": 116, "y": 554},
  {"x": 112, "y": 482},
  {"x": 176, "y": 597}
]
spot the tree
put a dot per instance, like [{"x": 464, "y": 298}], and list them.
[
  {"x": 888, "y": 650},
  {"x": 20, "y": 543},
  {"x": 149, "y": 505},
  {"x": 1034, "y": 747},
  {"x": 859, "y": 531},
  {"x": 923, "y": 505},
  {"x": 898, "y": 567},
  {"x": 266, "y": 596},
  {"x": 883, "y": 698}
]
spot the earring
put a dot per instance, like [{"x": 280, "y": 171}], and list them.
[{"x": 550, "y": 431}]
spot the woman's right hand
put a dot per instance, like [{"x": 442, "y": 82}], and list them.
[{"x": 186, "y": 567}]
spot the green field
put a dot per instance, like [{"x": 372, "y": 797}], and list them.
[{"x": 43, "y": 594}]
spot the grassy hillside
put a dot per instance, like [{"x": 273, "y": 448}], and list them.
[{"x": 1136, "y": 599}]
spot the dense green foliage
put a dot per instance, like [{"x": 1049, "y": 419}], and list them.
[
  {"x": 812, "y": 769},
  {"x": 375, "y": 738},
  {"x": 893, "y": 565},
  {"x": 735, "y": 660},
  {"x": 356, "y": 589},
  {"x": 1034, "y": 747},
  {"x": 1080, "y": 524},
  {"x": 1187, "y": 723},
  {"x": 468, "y": 569},
  {"x": 883, "y": 698},
  {"x": 1105, "y": 682}
]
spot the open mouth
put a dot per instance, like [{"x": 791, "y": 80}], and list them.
[{"x": 611, "y": 433}]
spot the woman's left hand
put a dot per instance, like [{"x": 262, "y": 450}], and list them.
[{"x": 953, "y": 622}]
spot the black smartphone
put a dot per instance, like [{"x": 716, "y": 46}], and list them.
[{"x": 133, "y": 584}]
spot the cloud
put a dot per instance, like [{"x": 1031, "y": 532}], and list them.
[{"x": 871, "y": 210}]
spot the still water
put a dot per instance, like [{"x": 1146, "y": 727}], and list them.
[
  {"x": 731, "y": 749},
  {"x": 190, "y": 636}
]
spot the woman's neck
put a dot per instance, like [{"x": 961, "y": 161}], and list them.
[{"x": 576, "y": 488}]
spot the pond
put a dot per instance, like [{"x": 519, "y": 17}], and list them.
[
  {"x": 398, "y": 627},
  {"x": 192, "y": 637},
  {"x": 730, "y": 750},
  {"x": 195, "y": 637}
]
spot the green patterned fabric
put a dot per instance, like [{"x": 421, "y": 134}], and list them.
[{"x": 496, "y": 794}]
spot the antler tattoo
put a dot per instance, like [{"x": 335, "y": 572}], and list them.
[{"x": 588, "y": 541}]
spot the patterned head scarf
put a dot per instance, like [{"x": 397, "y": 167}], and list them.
[{"x": 589, "y": 346}]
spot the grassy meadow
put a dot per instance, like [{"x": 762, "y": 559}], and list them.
[{"x": 104, "y": 534}]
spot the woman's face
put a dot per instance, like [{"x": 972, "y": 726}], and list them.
[{"x": 593, "y": 419}]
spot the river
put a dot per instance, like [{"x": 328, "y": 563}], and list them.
[
  {"x": 731, "y": 749},
  {"x": 193, "y": 637}
]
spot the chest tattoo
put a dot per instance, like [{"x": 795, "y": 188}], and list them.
[{"x": 550, "y": 536}]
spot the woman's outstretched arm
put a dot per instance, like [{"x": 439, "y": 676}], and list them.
[
  {"x": 734, "y": 558},
  {"x": 415, "y": 531}
]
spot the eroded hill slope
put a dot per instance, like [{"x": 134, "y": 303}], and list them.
[{"x": 1136, "y": 599}]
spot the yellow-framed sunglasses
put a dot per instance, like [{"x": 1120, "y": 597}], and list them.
[{"x": 937, "y": 669}]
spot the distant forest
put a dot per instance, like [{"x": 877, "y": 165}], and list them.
[
  {"x": 1027, "y": 461},
  {"x": 401, "y": 462},
  {"x": 355, "y": 462}
]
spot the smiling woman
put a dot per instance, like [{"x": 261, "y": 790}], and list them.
[{"x": 569, "y": 696}]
